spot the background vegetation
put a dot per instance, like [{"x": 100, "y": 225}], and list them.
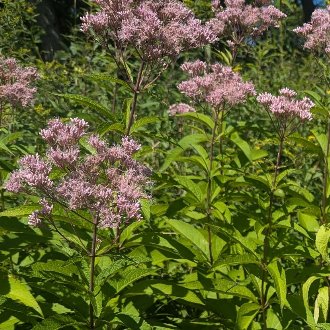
[{"x": 247, "y": 251}]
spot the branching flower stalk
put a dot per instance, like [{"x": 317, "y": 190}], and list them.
[
  {"x": 107, "y": 183},
  {"x": 16, "y": 91},
  {"x": 136, "y": 92},
  {"x": 242, "y": 23},
  {"x": 317, "y": 39},
  {"x": 153, "y": 32},
  {"x": 286, "y": 113},
  {"x": 218, "y": 87}
]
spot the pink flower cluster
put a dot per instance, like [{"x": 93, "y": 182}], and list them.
[
  {"x": 239, "y": 20},
  {"x": 156, "y": 28},
  {"x": 317, "y": 32},
  {"x": 107, "y": 182},
  {"x": 180, "y": 108},
  {"x": 217, "y": 85},
  {"x": 15, "y": 83},
  {"x": 286, "y": 105}
]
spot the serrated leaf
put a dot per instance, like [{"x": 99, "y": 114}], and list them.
[
  {"x": 199, "y": 117},
  {"x": 86, "y": 101},
  {"x": 243, "y": 145},
  {"x": 321, "y": 242},
  {"x": 105, "y": 78},
  {"x": 114, "y": 267},
  {"x": 192, "y": 234},
  {"x": 308, "y": 221},
  {"x": 20, "y": 211},
  {"x": 128, "y": 231},
  {"x": 185, "y": 143},
  {"x": 277, "y": 273},
  {"x": 239, "y": 259},
  {"x": 20, "y": 291},
  {"x": 246, "y": 315},
  {"x": 58, "y": 322},
  {"x": 165, "y": 288},
  {"x": 133, "y": 322},
  {"x": 58, "y": 266},
  {"x": 143, "y": 122},
  {"x": 129, "y": 276},
  {"x": 190, "y": 186}
]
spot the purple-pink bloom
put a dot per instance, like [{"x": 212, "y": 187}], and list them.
[
  {"x": 317, "y": 32},
  {"x": 108, "y": 183},
  {"x": 286, "y": 106},
  {"x": 64, "y": 135},
  {"x": 34, "y": 172},
  {"x": 239, "y": 20},
  {"x": 16, "y": 83},
  {"x": 180, "y": 108},
  {"x": 156, "y": 28},
  {"x": 218, "y": 86}
]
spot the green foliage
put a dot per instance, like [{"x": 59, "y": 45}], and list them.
[{"x": 225, "y": 243}]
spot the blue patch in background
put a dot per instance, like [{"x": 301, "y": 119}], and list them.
[{"x": 317, "y": 3}]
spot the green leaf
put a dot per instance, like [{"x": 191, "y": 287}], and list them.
[
  {"x": 116, "y": 127},
  {"x": 190, "y": 186},
  {"x": 127, "y": 110},
  {"x": 322, "y": 240},
  {"x": 322, "y": 140},
  {"x": 133, "y": 322},
  {"x": 234, "y": 288},
  {"x": 20, "y": 211},
  {"x": 166, "y": 289},
  {"x": 130, "y": 276},
  {"x": 112, "y": 268},
  {"x": 193, "y": 235},
  {"x": 246, "y": 315},
  {"x": 10, "y": 137},
  {"x": 143, "y": 122},
  {"x": 88, "y": 102},
  {"x": 185, "y": 143},
  {"x": 105, "y": 78},
  {"x": 305, "y": 292},
  {"x": 58, "y": 322},
  {"x": 128, "y": 231},
  {"x": 239, "y": 259},
  {"x": 243, "y": 145},
  {"x": 308, "y": 221},
  {"x": 199, "y": 117},
  {"x": 58, "y": 266},
  {"x": 322, "y": 305},
  {"x": 259, "y": 181},
  {"x": 20, "y": 291},
  {"x": 277, "y": 272}
]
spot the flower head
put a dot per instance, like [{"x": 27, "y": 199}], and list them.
[
  {"x": 107, "y": 183},
  {"x": 286, "y": 105},
  {"x": 15, "y": 83},
  {"x": 217, "y": 85},
  {"x": 239, "y": 20},
  {"x": 180, "y": 108},
  {"x": 156, "y": 28},
  {"x": 317, "y": 32}
]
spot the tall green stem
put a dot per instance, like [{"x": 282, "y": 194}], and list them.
[
  {"x": 325, "y": 178},
  {"x": 268, "y": 233},
  {"x": 92, "y": 273},
  {"x": 209, "y": 180},
  {"x": 136, "y": 91}
]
